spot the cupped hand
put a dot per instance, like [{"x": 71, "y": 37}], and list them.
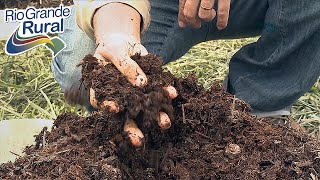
[
  {"x": 192, "y": 12},
  {"x": 117, "y": 49}
]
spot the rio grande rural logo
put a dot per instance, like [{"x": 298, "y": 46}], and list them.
[{"x": 35, "y": 24}]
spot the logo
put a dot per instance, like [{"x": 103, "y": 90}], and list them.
[{"x": 35, "y": 25}]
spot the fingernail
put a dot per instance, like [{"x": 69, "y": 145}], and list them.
[
  {"x": 182, "y": 24},
  {"x": 221, "y": 27},
  {"x": 141, "y": 80},
  {"x": 172, "y": 91},
  {"x": 164, "y": 121},
  {"x": 135, "y": 140}
]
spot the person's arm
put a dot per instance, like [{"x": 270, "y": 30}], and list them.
[
  {"x": 116, "y": 28},
  {"x": 116, "y": 18},
  {"x": 86, "y": 10},
  {"x": 117, "y": 34}
]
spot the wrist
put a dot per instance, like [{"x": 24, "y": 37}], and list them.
[
  {"x": 125, "y": 25},
  {"x": 116, "y": 38}
]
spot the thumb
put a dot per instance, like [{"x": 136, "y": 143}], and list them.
[
  {"x": 132, "y": 71},
  {"x": 128, "y": 67}
]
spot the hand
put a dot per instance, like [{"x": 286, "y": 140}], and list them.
[
  {"x": 117, "y": 49},
  {"x": 191, "y": 12},
  {"x": 118, "y": 40}
]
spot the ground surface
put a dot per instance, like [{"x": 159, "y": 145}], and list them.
[{"x": 213, "y": 136}]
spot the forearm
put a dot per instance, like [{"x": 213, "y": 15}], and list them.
[
  {"x": 116, "y": 18},
  {"x": 115, "y": 12}
]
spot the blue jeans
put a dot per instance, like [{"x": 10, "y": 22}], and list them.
[{"x": 270, "y": 74}]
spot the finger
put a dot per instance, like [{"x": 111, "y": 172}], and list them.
[
  {"x": 164, "y": 121},
  {"x": 141, "y": 79},
  {"x": 190, "y": 13},
  {"x": 134, "y": 133},
  {"x": 128, "y": 67},
  {"x": 173, "y": 93},
  {"x": 131, "y": 70},
  {"x": 223, "y": 14},
  {"x": 110, "y": 106},
  {"x": 181, "y": 18},
  {"x": 206, "y": 11},
  {"x": 93, "y": 100},
  {"x": 106, "y": 105}
]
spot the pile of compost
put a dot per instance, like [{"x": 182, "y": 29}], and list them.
[{"x": 212, "y": 136}]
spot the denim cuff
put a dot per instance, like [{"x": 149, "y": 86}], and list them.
[{"x": 263, "y": 114}]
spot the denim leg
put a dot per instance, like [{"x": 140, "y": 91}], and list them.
[
  {"x": 64, "y": 66},
  {"x": 284, "y": 63},
  {"x": 164, "y": 37}
]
